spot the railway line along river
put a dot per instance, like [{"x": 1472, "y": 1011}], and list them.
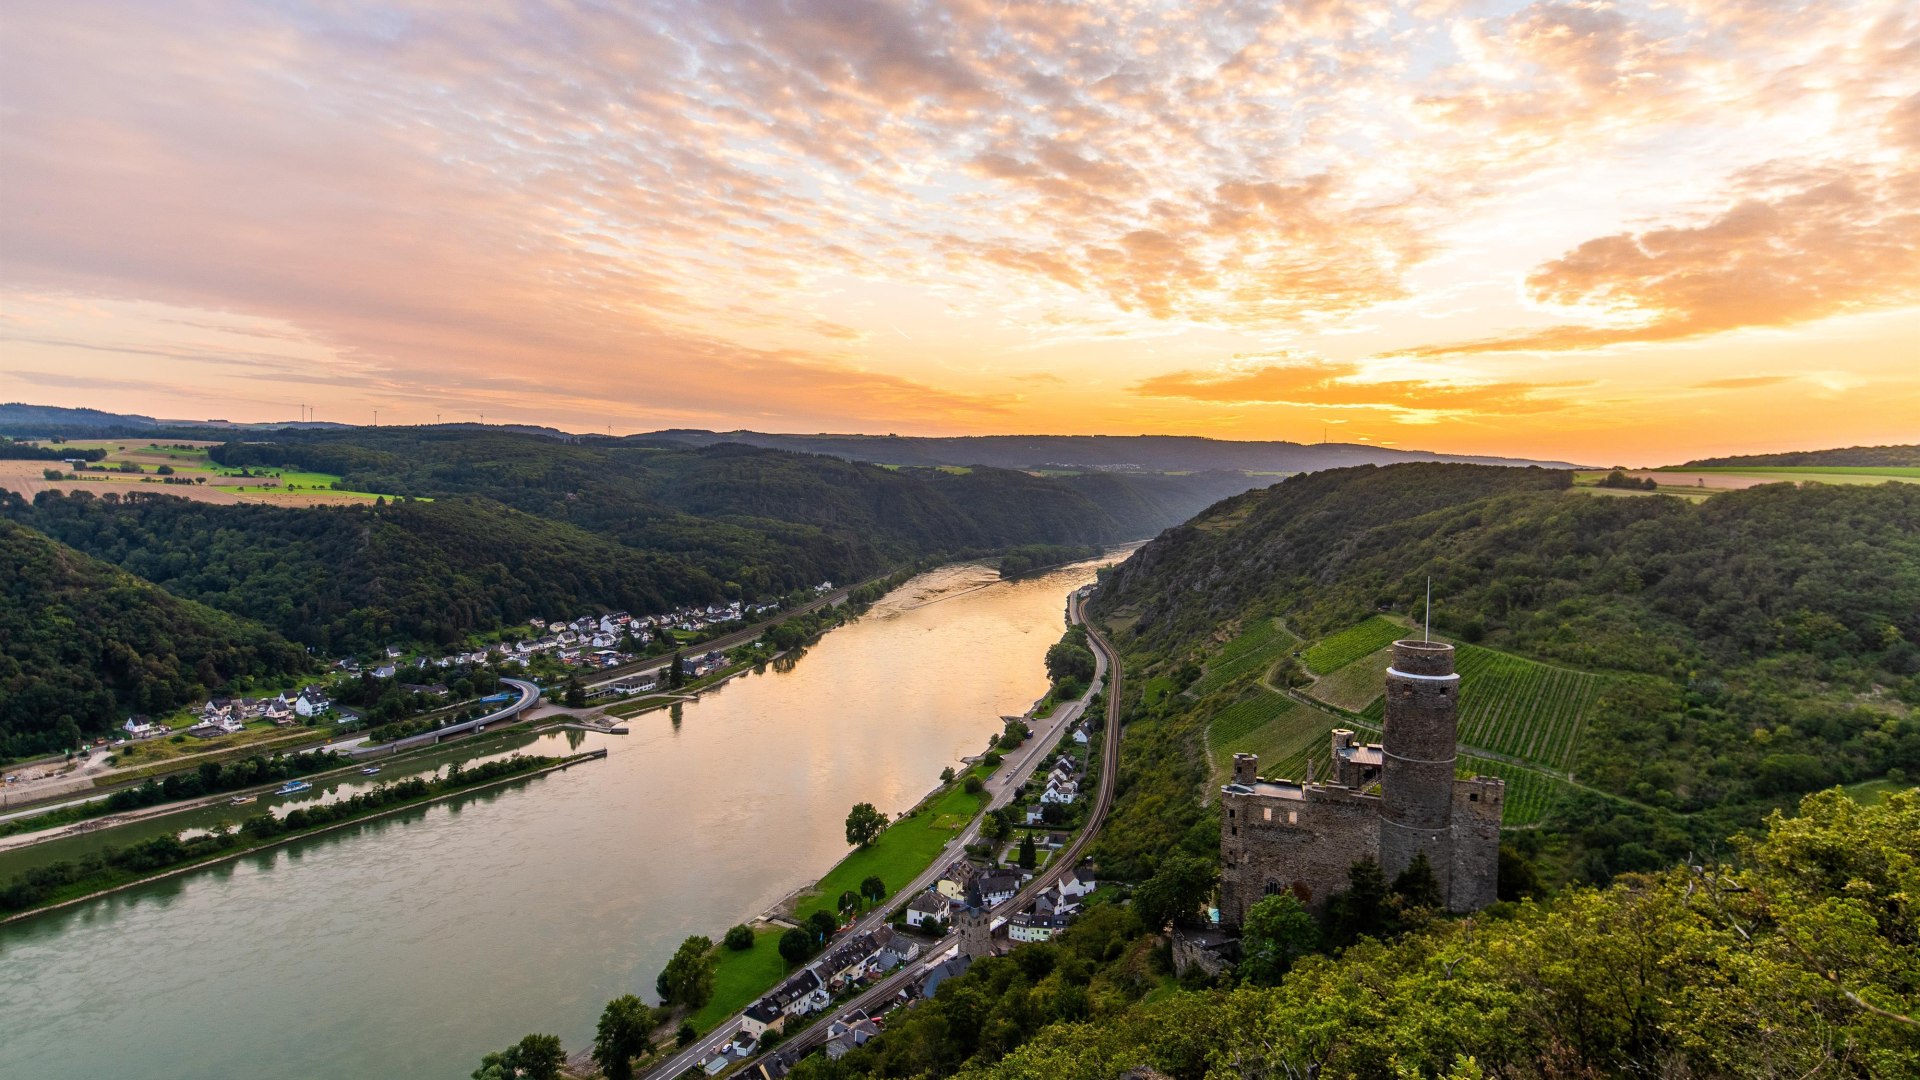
[{"x": 409, "y": 946}]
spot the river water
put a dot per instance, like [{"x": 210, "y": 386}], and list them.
[{"x": 409, "y": 946}]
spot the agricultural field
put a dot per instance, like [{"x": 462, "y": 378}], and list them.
[
  {"x": 1333, "y": 653},
  {"x": 1260, "y": 647},
  {"x": 185, "y": 461},
  {"x": 1518, "y": 708},
  {"x": 1356, "y": 685},
  {"x": 1521, "y": 708},
  {"x": 1531, "y": 795},
  {"x": 1282, "y": 730}
]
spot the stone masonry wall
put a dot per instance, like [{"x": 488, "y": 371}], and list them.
[{"x": 1270, "y": 843}]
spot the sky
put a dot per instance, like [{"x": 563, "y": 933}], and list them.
[{"x": 1605, "y": 232}]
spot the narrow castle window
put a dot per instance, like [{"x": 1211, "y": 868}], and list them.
[
  {"x": 1273, "y": 888},
  {"x": 1474, "y": 797},
  {"x": 1293, "y": 817},
  {"x": 1268, "y": 811}
]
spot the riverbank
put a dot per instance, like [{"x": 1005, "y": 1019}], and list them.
[
  {"x": 245, "y": 845},
  {"x": 552, "y": 898}
]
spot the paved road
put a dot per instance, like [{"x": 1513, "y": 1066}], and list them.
[
  {"x": 529, "y": 694},
  {"x": 1000, "y": 786}
]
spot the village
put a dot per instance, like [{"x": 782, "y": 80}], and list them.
[{"x": 586, "y": 643}]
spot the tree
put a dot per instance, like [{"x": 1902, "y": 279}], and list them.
[
  {"x": 946, "y": 775},
  {"x": 974, "y": 785},
  {"x": 864, "y": 822},
  {"x": 795, "y": 946},
  {"x": 996, "y": 826},
  {"x": 849, "y": 902},
  {"x": 1416, "y": 886},
  {"x": 1361, "y": 911},
  {"x": 824, "y": 924},
  {"x": 739, "y": 938},
  {"x": 1276, "y": 932},
  {"x": 1028, "y": 856},
  {"x": 675, "y": 677},
  {"x": 576, "y": 695},
  {"x": 623, "y": 1034},
  {"x": 688, "y": 977},
  {"x": 873, "y": 888},
  {"x": 536, "y": 1057},
  {"x": 1175, "y": 890},
  {"x": 1070, "y": 662}
]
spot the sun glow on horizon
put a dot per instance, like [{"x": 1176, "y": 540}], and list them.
[{"x": 1582, "y": 230}]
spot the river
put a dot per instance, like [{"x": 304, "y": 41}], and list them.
[{"x": 407, "y": 947}]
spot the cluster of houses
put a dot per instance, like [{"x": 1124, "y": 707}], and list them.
[
  {"x": 856, "y": 961},
  {"x": 965, "y": 885},
  {"x": 226, "y": 716},
  {"x": 1060, "y": 788}
]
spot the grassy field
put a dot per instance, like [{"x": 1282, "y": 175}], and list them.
[
  {"x": 1248, "y": 656},
  {"x": 898, "y": 854},
  {"x": 191, "y": 461},
  {"x": 743, "y": 976},
  {"x": 1873, "y": 792},
  {"x": 1333, "y": 653},
  {"x": 1156, "y": 688},
  {"x": 1355, "y": 685},
  {"x": 1283, "y": 731}
]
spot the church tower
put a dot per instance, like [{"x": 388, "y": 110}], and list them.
[{"x": 1417, "y": 743}]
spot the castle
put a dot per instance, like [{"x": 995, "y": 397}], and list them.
[{"x": 1388, "y": 801}]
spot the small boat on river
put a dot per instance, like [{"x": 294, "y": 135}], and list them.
[
  {"x": 242, "y": 800},
  {"x": 371, "y": 770},
  {"x": 294, "y": 787}
]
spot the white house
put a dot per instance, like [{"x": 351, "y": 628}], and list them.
[
  {"x": 928, "y": 907},
  {"x": 312, "y": 702}
]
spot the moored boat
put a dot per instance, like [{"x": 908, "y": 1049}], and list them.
[{"x": 294, "y": 787}]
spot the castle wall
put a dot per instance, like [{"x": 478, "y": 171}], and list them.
[
  {"x": 1477, "y": 804},
  {"x": 1287, "y": 836},
  {"x": 1418, "y": 740}
]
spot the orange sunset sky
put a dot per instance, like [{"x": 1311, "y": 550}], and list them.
[{"x": 1633, "y": 232}]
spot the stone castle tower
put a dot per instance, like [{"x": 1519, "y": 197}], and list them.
[{"x": 1389, "y": 801}]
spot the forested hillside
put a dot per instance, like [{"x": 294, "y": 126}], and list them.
[
  {"x": 1845, "y": 457},
  {"x": 348, "y": 579},
  {"x": 82, "y": 644},
  {"x": 1796, "y": 962},
  {"x": 649, "y": 495},
  {"x": 1765, "y": 638}
]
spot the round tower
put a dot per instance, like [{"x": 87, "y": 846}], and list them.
[{"x": 1418, "y": 741}]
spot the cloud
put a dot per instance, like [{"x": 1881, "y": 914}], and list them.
[
  {"x": 644, "y": 208},
  {"x": 1749, "y": 382},
  {"x": 1343, "y": 385},
  {"x": 1800, "y": 244}
]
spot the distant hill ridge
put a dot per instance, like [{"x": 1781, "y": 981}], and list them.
[
  {"x": 1144, "y": 453},
  {"x": 1855, "y": 457}
]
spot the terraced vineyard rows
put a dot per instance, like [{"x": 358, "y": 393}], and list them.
[
  {"x": 1357, "y": 684},
  {"x": 1516, "y": 707},
  {"x": 1520, "y": 708},
  {"x": 1249, "y": 655},
  {"x": 1283, "y": 731},
  {"x": 1531, "y": 795},
  {"x": 1333, "y": 653}
]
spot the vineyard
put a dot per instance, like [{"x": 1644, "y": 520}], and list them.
[
  {"x": 1356, "y": 685},
  {"x": 1517, "y": 707},
  {"x": 1530, "y": 794},
  {"x": 1331, "y": 654},
  {"x": 1280, "y": 729},
  {"x": 1250, "y": 654}
]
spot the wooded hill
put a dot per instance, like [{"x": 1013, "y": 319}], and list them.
[
  {"x": 1763, "y": 640},
  {"x": 82, "y": 643},
  {"x": 1856, "y": 457}
]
